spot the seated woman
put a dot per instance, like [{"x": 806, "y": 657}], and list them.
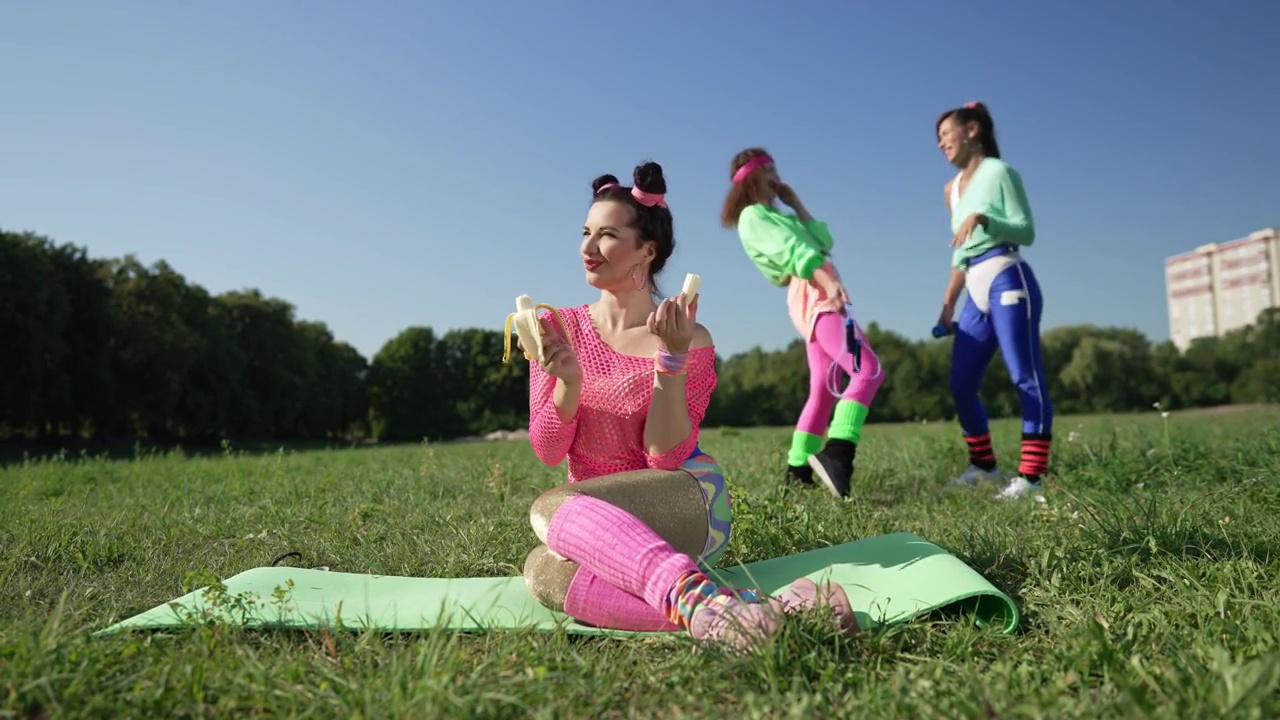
[{"x": 625, "y": 383}]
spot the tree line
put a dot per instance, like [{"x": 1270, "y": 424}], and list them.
[{"x": 111, "y": 349}]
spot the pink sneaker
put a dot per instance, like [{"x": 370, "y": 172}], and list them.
[
  {"x": 737, "y": 623},
  {"x": 804, "y": 594}
]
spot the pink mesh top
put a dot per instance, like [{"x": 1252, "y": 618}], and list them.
[{"x": 607, "y": 434}]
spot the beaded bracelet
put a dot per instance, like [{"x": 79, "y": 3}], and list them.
[{"x": 666, "y": 363}]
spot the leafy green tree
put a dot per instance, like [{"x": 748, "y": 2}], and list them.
[
  {"x": 153, "y": 348},
  {"x": 34, "y": 312},
  {"x": 486, "y": 394},
  {"x": 86, "y": 403},
  {"x": 280, "y": 366},
  {"x": 335, "y": 403},
  {"x": 409, "y": 394}
]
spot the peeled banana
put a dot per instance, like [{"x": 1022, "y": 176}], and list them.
[{"x": 528, "y": 329}]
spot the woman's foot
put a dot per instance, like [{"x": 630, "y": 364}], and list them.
[
  {"x": 802, "y": 474},
  {"x": 833, "y": 466},
  {"x": 736, "y": 623},
  {"x": 804, "y": 594}
]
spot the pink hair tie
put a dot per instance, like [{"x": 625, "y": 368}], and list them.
[
  {"x": 971, "y": 104},
  {"x": 606, "y": 186},
  {"x": 648, "y": 199},
  {"x": 749, "y": 166}
]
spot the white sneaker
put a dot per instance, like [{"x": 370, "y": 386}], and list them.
[
  {"x": 1020, "y": 487},
  {"x": 973, "y": 475}
]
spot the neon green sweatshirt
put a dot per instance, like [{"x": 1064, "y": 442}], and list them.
[
  {"x": 781, "y": 245},
  {"x": 995, "y": 190}
]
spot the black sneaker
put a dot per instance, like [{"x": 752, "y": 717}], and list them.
[
  {"x": 834, "y": 466},
  {"x": 802, "y": 474}
]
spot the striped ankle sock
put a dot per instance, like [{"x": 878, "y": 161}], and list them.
[
  {"x": 980, "y": 452},
  {"x": 1035, "y": 455},
  {"x": 692, "y": 592}
]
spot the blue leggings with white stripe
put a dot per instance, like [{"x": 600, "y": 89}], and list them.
[{"x": 1011, "y": 324}]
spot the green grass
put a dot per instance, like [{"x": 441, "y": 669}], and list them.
[{"x": 1147, "y": 583}]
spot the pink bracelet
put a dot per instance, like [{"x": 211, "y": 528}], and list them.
[{"x": 668, "y": 363}]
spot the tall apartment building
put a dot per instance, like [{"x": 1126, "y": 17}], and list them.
[{"x": 1219, "y": 287}]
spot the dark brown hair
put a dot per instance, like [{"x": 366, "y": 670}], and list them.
[
  {"x": 743, "y": 194},
  {"x": 974, "y": 112},
  {"x": 653, "y": 224}
]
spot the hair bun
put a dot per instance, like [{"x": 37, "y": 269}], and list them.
[
  {"x": 601, "y": 182},
  {"x": 648, "y": 177}
]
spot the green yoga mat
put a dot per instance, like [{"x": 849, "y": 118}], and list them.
[{"x": 889, "y": 579}]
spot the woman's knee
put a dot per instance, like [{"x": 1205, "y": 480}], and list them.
[
  {"x": 545, "y": 507},
  {"x": 548, "y": 577}
]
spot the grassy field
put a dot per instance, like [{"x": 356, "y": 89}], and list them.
[{"x": 1147, "y": 583}]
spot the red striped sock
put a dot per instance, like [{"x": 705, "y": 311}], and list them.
[
  {"x": 1035, "y": 455},
  {"x": 980, "y": 452}
]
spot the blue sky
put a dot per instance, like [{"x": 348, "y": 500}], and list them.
[{"x": 422, "y": 163}]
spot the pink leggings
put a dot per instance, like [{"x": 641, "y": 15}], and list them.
[{"x": 826, "y": 346}]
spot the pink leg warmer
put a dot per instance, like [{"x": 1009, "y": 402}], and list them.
[
  {"x": 828, "y": 333},
  {"x": 616, "y": 546},
  {"x": 593, "y": 600}
]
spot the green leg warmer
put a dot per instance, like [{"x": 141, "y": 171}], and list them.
[
  {"x": 848, "y": 421},
  {"x": 803, "y": 445}
]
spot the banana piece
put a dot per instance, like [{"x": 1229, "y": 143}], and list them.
[{"x": 691, "y": 284}]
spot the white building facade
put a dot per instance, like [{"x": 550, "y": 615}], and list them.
[{"x": 1220, "y": 287}]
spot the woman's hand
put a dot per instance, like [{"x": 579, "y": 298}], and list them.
[
  {"x": 561, "y": 361},
  {"x": 966, "y": 229},
  {"x": 673, "y": 323},
  {"x": 786, "y": 194},
  {"x": 836, "y": 292},
  {"x": 831, "y": 286},
  {"x": 945, "y": 318}
]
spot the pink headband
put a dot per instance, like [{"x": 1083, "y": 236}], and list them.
[
  {"x": 752, "y": 164},
  {"x": 642, "y": 197},
  {"x": 649, "y": 199}
]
